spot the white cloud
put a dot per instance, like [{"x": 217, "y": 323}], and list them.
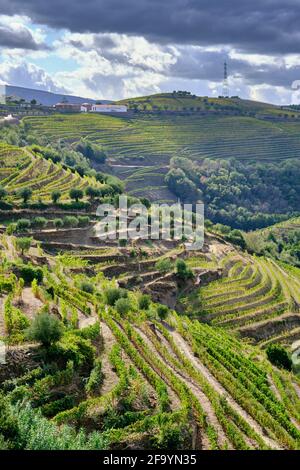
[
  {"x": 114, "y": 66},
  {"x": 22, "y": 73},
  {"x": 267, "y": 94}
]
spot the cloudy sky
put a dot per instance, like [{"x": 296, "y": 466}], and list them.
[{"x": 113, "y": 49}]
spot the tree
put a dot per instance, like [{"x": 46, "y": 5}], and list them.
[
  {"x": 92, "y": 192},
  {"x": 55, "y": 196},
  {"x": 45, "y": 329},
  {"x": 182, "y": 270},
  {"x": 278, "y": 356},
  {"x": 25, "y": 194},
  {"x": 3, "y": 193},
  {"x": 76, "y": 194},
  {"x": 23, "y": 244}
]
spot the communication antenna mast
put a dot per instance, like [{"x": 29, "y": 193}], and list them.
[{"x": 225, "y": 82}]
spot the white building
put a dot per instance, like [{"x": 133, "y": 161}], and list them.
[
  {"x": 108, "y": 108},
  {"x": 86, "y": 107}
]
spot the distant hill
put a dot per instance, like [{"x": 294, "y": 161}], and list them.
[
  {"x": 140, "y": 145},
  {"x": 46, "y": 98},
  {"x": 185, "y": 102}
]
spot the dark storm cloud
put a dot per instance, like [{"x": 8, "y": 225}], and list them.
[
  {"x": 18, "y": 39},
  {"x": 194, "y": 63},
  {"x": 268, "y": 26}
]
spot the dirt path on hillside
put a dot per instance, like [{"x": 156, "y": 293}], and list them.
[
  {"x": 10, "y": 252},
  {"x": 29, "y": 304},
  {"x": 110, "y": 377},
  {"x": 83, "y": 321},
  {"x": 186, "y": 350},
  {"x": 2, "y": 323}
]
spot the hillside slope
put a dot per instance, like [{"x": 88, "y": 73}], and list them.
[
  {"x": 21, "y": 168},
  {"x": 186, "y": 102},
  {"x": 172, "y": 383},
  {"x": 141, "y": 145}
]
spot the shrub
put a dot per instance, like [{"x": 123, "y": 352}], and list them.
[
  {"x": 170, "y": 436},
  {"x": 8, "y": 423},
  {"x": 70, "y": 221},
  {"x": 11, "y": 229},
  {"x": 83, "y": 220},
  {"x": 91, "y": 332},
  {"x": 7, "y": 284},
  {"x": 87, "y": 287},
  {"x": 164, "y": 265},
  {"x": 162, "y": 311},
  {"x": 112, "y": 294},
  {"x": 39, "y": 222},
  {"x": 45, "y": 329},
  {"x": 144, "y": 301},
  {"x": 38, "y": 433},
  {"x": 75, "y": 348},
  {"x": 278, "y": 356},
  {"x": 15, "y": 320},
  {"x": 58, "y": 223},
  {"x": 123, "y": 306},
  {"x": 29, "y": 273},
  {"x": 23, "y": 225}
]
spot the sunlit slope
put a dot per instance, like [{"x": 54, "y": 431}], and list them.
[
  {"x": 179, "y": 375},
  {"x": 153, "y": 139},
  {"x": 20, "y": 168},
  {"x": 255, "y": 297}
]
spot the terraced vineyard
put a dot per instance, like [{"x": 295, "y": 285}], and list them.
[
  {"x": 140, "y": 146},
  {"x": 153, "y": 137},
  {"x": 255, "y": 297},
  {"x": 143, "y": 344},
  {"x": 148, "y": 382},
  {"x": 20, "y": 168}
]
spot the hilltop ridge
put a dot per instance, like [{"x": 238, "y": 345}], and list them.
[{"x": 187, "y": 102}]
